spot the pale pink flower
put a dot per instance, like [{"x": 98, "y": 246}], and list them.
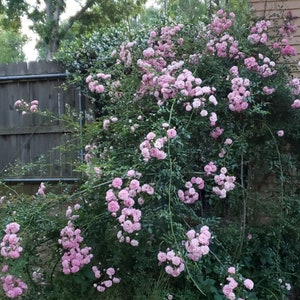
[
  {"x": 134, "y": 184},
  {"x": 171, "y": 133},
  {"x": 117, "y": 183},
  {"x": 130, "y": 173},
  {"x": 4, "y": 268},
  {"x": 280, "y": 133},
  {"x": 248, "y": 283},
  {"x": 150, "y": 136},
  {"x": 228, "y": 141},
  {"x": 134, "y": 243},
  {"x": 106, "y": 123},
  {"x": 107, "y": 283},
  {"x": 161, "y": 256},
  {"x": 296, "y": 104},
  {"x": 113, "y": 206},
  {"x": 110, "y": 271}
]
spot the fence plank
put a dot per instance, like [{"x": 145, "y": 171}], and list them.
[{"x": 29, "y": 139}]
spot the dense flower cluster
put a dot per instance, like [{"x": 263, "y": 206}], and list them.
[
  {"x": 125, "y": 56},
  {"x": 75, "y": 257},
  {"x": 190, "y": 195},
  {"x": 175, "y": 264},
  {"x": 239, "y": 95},
  {"x": 120, "y": 199},
  {"x": 225, "y": 46},
  {"x": 10, "y": 246},
  {"x": 107, "y": 122},
  {"x": 259, "y": 32},
  {"x": 197, "y": 243},
  {"x": 286, "y": 30},
  {"x": 294, "y": 85},
  {"x": 225, "y": 183},
  {"x": 157, "y": 75},
  {"x": 221, "y": 23},
  {"x": 266, "y": 69},
  {"x": 97, "y": 84},
  {"x": 296, "y": 103},
  {"x": 221, "y": 43},
  {"x": 210, "y": 168},
  {"x": 151, "y": 147},
  {"x": 13, "y": 287}
]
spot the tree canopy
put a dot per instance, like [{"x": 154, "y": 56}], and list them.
[
  {"x": 51, "y": 29},
  {"x": 11, "y": 40}
]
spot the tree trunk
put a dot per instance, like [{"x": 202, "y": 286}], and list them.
[{"x": 54, "y": 9}]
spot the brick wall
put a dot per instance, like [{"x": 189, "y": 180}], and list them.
[{"x": 272, "y": 8}]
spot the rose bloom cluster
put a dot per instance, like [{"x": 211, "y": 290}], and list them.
[
  {"x": 130, "y": 223},
  {"x": 296, "y": 104},
  {"x": 151, "y": 147},
  {"x": 125, "y": 56},
  {"x": 238, "y": 97},
  {"x": 10, "y": 246},
  {"x": 228, "y": 289},
  {"x": 104, "y": 284},
  {"x": 24, "y": 107},
  {"x": 225, "y": 183},
  {"x": 197, "y": 243},
  {"x": 13, "y": 287},
  {"x": 75, "y": 257},
  {"x": 120, "y": 199},
  {"x": 265, "y": 69},
  {"x": 95, "y": 85},
  {"x": 225, "y": 46},
  {"x": 190, "y": 195},
  {"x": 259, "y": 32},
  {"x": 221, "y": 23},
  {"x": 157, "y": 75},
  {"x": 216, "y": 132},
  {"x": 210, "y": 168},
  {"x": 286, "y": 30},
  {"x": 175, "y": 265}
]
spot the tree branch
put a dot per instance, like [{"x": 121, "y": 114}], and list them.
[{"x": 76, "y": 17}]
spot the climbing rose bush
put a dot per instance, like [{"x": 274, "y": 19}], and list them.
[{"x": 183, "y": 115}]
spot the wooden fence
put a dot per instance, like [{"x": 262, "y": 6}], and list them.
[{"x": 32, "y": 145}]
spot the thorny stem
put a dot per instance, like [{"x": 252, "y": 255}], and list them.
[
  {"x": 281, "y": 198},
  {"x": 244, "y": 214}
]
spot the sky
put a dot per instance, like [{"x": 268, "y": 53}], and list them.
[{"x": 29, "y": 48}]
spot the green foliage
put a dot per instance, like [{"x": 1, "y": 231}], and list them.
[
  {"x": 11, "y": 47},
  {"x": 11, "y": 40}
]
